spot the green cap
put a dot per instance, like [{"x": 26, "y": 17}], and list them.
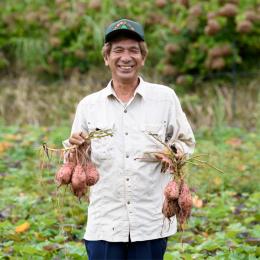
[{"x": 126, "y": 28}]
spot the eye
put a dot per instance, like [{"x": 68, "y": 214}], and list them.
[
  {"x": 118, "y": 50},
  {"x": 135, "y": 50}
]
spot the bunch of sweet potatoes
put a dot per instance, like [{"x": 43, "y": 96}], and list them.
[
  {"x": 79, "y": 171},
  {"x": 178, "y": 201}
]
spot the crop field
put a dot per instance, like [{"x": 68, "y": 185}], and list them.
[
  {"x": 37, "y": 221},
  {"x": 50, "y": 58}
]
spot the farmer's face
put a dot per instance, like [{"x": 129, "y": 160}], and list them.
[{"x": 125, "y": 60}]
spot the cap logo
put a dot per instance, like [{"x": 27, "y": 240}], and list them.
[{"x": 123, "y": 25}]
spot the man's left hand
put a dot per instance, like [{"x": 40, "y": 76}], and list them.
[{"x": 166, "y": 162}]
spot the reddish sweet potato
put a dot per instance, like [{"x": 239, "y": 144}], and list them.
[
  {"x": 92, "y": 175},
  {"x": 171, "y": 191},
  {"x": 63, "y": 175},
  {"x": 78, "y": 181},
  {"x": 170, "y": 208},
  {"x": 185, "y": 203}
]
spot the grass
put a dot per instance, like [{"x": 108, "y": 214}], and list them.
[
  {"x": 37, "y": 222},
  {"x": 41, "y": 103}
]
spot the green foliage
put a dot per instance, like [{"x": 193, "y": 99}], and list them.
[
  {"x": 185, "y": 38},
  {"x": 225, "y": 226},
  {"x": 30, "y": 51}
]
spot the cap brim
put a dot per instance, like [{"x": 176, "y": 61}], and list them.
[{"x": 124, "y": 33}]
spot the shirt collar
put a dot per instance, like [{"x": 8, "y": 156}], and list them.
[{"x": 109, "y": 91}]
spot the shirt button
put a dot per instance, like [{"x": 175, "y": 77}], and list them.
[
  {"x": 127, "y": 156},
  {"x": 126, "y": 133},
  {"x": 127, "y": 179},
  {"x": 128, "y": 202}
]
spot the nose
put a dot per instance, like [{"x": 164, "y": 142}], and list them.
[{"x": 125, "y": 57}]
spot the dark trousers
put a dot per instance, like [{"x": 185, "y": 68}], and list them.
[{"x": 141, "y": 250}]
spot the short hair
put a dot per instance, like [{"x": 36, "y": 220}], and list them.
[{"x": 107, "y": 48}]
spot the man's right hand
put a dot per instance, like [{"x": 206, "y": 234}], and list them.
[{"x": 77, "y": 139}]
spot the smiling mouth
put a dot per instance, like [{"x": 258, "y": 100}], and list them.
[{"x": 126, "y": 68}]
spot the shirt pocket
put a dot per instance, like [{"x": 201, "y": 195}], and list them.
[
  {"x": 153, "y": 135},
  {"x": 102, "y": 148}
]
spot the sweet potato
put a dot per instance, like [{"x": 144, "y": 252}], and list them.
[
  {"x": 185, "y": 203},
  {"x": 171, "y": 191},
  {"x": 170, "y": 208},
  {"x": 92, "y": 175},
  {"x": 63, "y": 175},
  {"x": 78, "y": 181}
]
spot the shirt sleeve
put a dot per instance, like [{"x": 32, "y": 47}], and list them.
[
  {"x": 79, "y": 123},
  {"x": 179, "y": 130}
]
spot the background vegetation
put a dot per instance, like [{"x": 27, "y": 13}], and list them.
[
  {"x": 208, "y": 51},
  {"x": 186, "y": 38}
]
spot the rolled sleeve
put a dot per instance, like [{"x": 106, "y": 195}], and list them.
[{"x": 79, "y": 124}]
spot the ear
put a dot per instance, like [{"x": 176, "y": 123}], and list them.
[
  {"x": 143, "y": 61},
  {"x": 106, "y": 60}
]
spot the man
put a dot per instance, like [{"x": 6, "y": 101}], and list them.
[{"x": 125, "y": 219}]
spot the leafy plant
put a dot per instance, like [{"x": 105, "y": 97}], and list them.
[
  {"x": 186, "y": 39},
  {"x": 46, "y": 223}
]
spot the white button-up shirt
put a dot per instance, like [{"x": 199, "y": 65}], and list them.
[{"x": 127, "y": 200}]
